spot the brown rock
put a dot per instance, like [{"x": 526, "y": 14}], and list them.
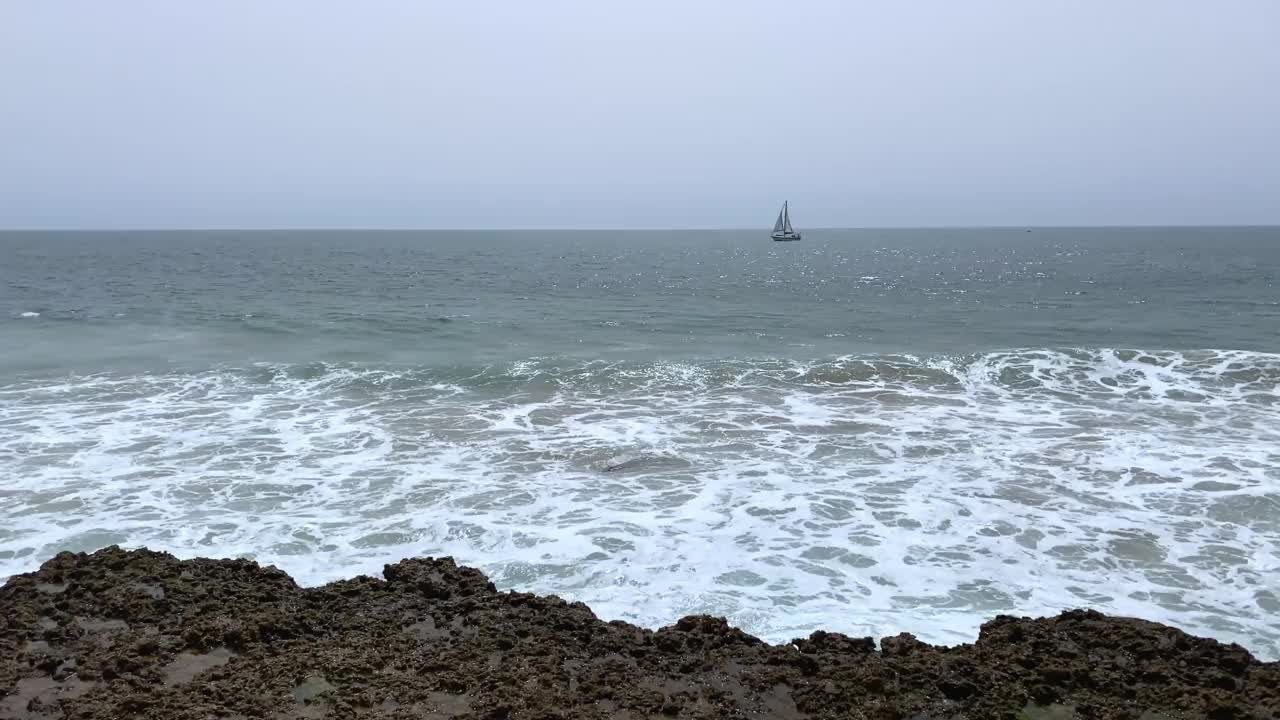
[{"x": 139, "y": 634}]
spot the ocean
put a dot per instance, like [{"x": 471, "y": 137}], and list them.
[{"x": 869, "y": 431}]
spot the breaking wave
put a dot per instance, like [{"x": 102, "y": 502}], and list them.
[{"x": 867, "y": 494}]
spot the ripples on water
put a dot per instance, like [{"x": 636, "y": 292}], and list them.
[{"x": 810, "y": 436}]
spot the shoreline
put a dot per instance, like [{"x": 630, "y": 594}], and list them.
[{"x": 142, "y": 634}]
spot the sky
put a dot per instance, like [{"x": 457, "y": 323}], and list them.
[{"x": 637, "y": 114}]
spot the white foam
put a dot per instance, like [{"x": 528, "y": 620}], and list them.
[
  {"x": 865, "y": 495},
  {"x": 29, "y": 314},
  {"x": 805, "y": 411}
]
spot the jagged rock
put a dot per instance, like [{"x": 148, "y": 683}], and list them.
[{"x": 140, "y": 634}]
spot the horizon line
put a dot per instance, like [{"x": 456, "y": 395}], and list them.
[{"x": 605, "y": 228}]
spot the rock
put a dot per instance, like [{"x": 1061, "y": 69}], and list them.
[{"x": 142, "y": 635}]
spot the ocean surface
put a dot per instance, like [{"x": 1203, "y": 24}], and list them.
[{"x": 868, "y": 431}]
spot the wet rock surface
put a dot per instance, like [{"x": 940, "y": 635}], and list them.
[{"x": 139, "y": 634}]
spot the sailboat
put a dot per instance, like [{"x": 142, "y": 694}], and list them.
[{"x": 782, "y": 230}]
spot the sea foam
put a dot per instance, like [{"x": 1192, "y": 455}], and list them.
[{"x": 864, "y": 494}]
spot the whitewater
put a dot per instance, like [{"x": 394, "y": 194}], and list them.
[{"x": 747, "y": 469}]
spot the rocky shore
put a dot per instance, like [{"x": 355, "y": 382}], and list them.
[{"x": 140, "y": 634}]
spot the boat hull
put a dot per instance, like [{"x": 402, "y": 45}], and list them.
[{"x": 785, "y": 237}]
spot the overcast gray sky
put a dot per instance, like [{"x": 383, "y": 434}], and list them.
[{"x": 653, "y": 113}]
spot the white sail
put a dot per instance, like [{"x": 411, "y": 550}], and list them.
[{"x": 782, "y": 229}]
